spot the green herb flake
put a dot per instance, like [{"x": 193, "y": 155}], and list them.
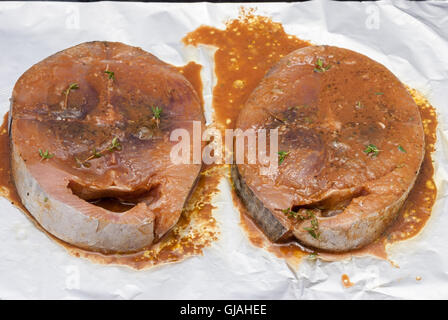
[
  {"x": 66, "y": 92},
  {"x": 111, "y": 74},
  {"x": 312, "y": 232},
  {"x": 96, "y": 154},
  {"x": 115, "y": 145},
  {"x": 45, "y": 154},
  {"x": 401, "y": 149},
  {"x": 379, "y": 93},
  {"x": 314, "y": 229},
  {"x": 290, "y": 213},
  {"x": 371, "y": 149},
  {"x": 312, "y": 256},
  {"x": 319, "y": 67},
  {"x": 72, "y": 86},
  {"x": 281, "y": 156},
  {"x": 157, "y": 112},
  {"x": 359, "y": 105}
]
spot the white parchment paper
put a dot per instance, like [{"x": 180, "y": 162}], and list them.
[{"x": 411, "y": 39}]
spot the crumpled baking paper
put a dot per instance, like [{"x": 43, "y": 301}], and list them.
[{"x": 410, "y": 38}]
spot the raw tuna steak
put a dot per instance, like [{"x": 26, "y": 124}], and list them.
[
  {"x": 90, "y": 131},
  {"x": 351, "y": 143}
]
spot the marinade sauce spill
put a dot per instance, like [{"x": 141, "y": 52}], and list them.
[
  {"x": 196, "y": 229},
  {"x": 246, "y": 49}
]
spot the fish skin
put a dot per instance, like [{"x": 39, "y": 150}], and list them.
[{"x": 57, "y": 191}]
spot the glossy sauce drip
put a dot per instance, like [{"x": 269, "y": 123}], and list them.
[
  {"x": 346, "y": 281},
  {"x": 195, "y": 230},
  {"x": 246, "y": 49}
]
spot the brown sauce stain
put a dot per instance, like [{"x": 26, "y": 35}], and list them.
[
  {"x": 346, "y": 281},
  {"x": 246, "y": 49},
  {"x": 196, "y": 229}
]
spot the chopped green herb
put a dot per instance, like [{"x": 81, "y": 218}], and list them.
[
  {"x": 401, "y": 149},
  {"x": 84, "y": 163},
  {"x": 115, "y": 145},
  {"x": 314, "y": 229},
  {"x": 45, "y": 199},
  {"x": 281, "y": 156},
  {"x": 45, "y": 154},
  {"x": 96, "y": 154},
  {"x": 379, "y": 93},
  {"x": 157, "y": 112},
  {"x": 296, "y": 214},
  {"x": 312, "y": 256},
  {"x": 111, "y": 74},
  {"x": 359, "y": 105},
  {"x": 312, "y": 232},
  {"x": 371, "y": 149},
  {"x": 72, "y": 86},
  {"x": 290, "y": 213},
  {"x": 320, "y": 66}
]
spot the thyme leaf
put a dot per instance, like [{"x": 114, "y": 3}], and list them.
[
  {"x": 281, "y": 156},
  {"x": 314, "y": 229},
  {"x": 111, "y": 74},
  {"x": 45, "y": 154},
  {"x": 359, "y": 105},
  {"x": 96, "y": 154},
  {"x": 401, "y": 149},
  {"x": 371, "y": 149},
  {"x": 319, "y": 67},
  {"x": 157, "y": 113},
  {"x": 66, "y": 92},
  {"x": 290, "y": 213},
  {"x": 309, "y": 214},
  {"x": 312, "y": 256},
  {"x": 115, "y": 145}
]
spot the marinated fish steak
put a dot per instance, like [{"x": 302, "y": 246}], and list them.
[
  {"x": 90, "y": 129},
  {"x": 351, "y": 143}
]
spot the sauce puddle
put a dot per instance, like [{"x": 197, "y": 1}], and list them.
[
  {"x": 246, "y": 49},
  {"x": 196, "y": 229}
]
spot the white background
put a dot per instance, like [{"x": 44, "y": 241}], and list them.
[{"x": 411, "y": 39}]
